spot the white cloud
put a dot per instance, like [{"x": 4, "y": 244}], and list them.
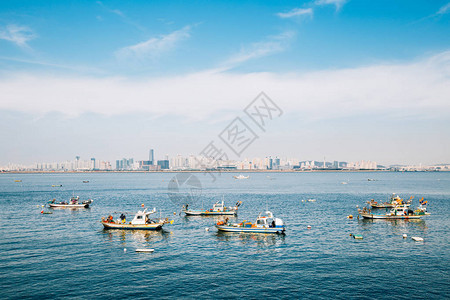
[
  {"x": 296, "y": 12},
  {"x": 418, "y": 89},
  {"x": 337, "y": 3},
  {"x": 272, "y": 45},
  {"x": 154, "y": 47},
  {"x": 19, "y": 35},
  {"x": 444, "y": 9}
]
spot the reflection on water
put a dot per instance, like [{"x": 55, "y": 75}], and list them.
[
  {"x": 247, "y": 238},
  {"x": 135, "y": 236}
]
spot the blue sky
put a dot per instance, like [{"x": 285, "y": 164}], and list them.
[{"x": 169, "y": 71}]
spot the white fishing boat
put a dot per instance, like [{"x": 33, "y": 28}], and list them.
[
  {"x": 141, "y": 221},
  {"x": 240, "y": 176},
  {"x": 218, "y": 209},
  {"x": 73, "y": 203},
  {"x": 398, "y": 212},
  {"x": 265, "y": 223}
]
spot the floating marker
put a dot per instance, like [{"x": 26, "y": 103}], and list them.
[
  {"x": 405, "y": 235},
  {"x": 142, "y": 204},
  {"x": 309, "y": 227},
  {"x": 206, "y": 229},
  {"x": 145, "y": 250},
  {"x": 124, "y": 249},
  {"x": 350, "y": 217},
  {"x": 417, "y": 239}
]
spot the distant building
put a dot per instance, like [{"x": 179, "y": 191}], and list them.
[
  {"x": 151, "y": 157},
  {"x": 163, "y": 164}
]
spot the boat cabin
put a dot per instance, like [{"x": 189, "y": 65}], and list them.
[
  {"x": 218, "y": 206},
  {"x": 141, "y": 217},
  {"x": 268, "y": 220},
  {"x": 401, "y": 210}
]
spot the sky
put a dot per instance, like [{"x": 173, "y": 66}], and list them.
[{"x": 355, "y": 79}]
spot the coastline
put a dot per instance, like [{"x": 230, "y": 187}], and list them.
[{"x": 212, "y": 171}]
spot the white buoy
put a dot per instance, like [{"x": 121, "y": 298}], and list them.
[
  {"x": 417, "y": 239},
  {"x": 405, "y": 235},
  {"x": 145, "y": 250},
  {"x": 206, "y": 229},
  {"x": 309, "y": 227},
  {"x": 124, "y": 249}
]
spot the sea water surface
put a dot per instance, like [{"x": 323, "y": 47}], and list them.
[{"x": 67, "y": 254}]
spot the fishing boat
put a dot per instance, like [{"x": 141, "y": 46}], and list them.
[
  {"x": 73, "y": 203},
  {"x": 218, "y": 209},
  {"x": 141, "y": 221},
  {"x": 85, "y": 181},
  {"x": 398, "y": 212},
  {"x": 265, "y": 223},
  {"x": 394, "y": 201},
  {"x": 56, "y": 185},
  {"x": 17, "y": 180},
  {"x": 240, "y": 176}
]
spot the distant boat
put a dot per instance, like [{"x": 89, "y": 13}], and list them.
[
  {"x": 56, "y": 185},
  {"x": 17, "y": 180},
  {"x": 73, "y": 203},
  {"x": 85, "y": 181},
  {"x": 311, "y": 200},
  {"x": 219, "y": 209},
  {"x": 265, "y": 223},
  {"x": 240, "y": 176},
  {"x": 344, "y": 182}
]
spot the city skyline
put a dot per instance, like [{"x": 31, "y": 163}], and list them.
[{"x": 354, "y": 79}]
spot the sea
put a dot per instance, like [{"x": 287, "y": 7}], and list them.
[{"x": 68, "y": 254}]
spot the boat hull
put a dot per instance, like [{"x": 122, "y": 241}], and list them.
[
  {"x": 209, "y": 213},
  {"x": 399, "y": 217},
  {"x": 54, "y": 205},
  {"x": 251, "y": 229},
  {"x": 155, "y": 226}
]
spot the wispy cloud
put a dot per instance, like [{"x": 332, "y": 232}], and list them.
[
  {"x": 337, "y": 3},
  {"x": 156, "y": 46},
  {"x": 444, "y": 9},
  {"x": 296, "y": 12},
  {"x": 121, "y": 15},
  {"x": 19, "y": 35},
  {"x": 272, "y": 45}
]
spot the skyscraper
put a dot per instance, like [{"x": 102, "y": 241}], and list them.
[{"x": 151, "y": 157}]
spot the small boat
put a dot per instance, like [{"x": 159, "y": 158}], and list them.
[
  {"x": 145, "y": 250},
  {"x": 240, "y": 176},
  {"x": 311, "y": 200},
  {"x": 141, "y": 221},
  {"x": 219, "y": 209},
  {"x": 56, "y": 185},
  {"x": 398, "y": 212},
  {"x": 417, "y": 239},
  {"x": 85, "y": 181},
  {"x": 265, "y": 223},
  {"x": 73, "y": 203},
  {"x": 17, "y": 180},
  {"x": 344, "y": 182},
  {"x": 394, "y": 201}
]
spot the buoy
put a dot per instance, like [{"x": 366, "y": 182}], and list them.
[
  {"x": 42, "y": 205},
  {"x": 417, "y": 239},
  {"x": 405, "y": 235},
  {"x": 42, "y": 211},
  {"x": 145, "y": 250},
  {"x": 309, "y": 227},
  {"x": 142, "y": 204},
  {"x": 124, "y": 249},
  {"x": 174, "y": 213},
  {"x": 350, "y": 217},
  {"x": 206, "y": 229}
]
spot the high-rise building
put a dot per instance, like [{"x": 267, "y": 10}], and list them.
[
  {"x": 163, "y": 164},
  {"x": 151, "y": 157}
]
